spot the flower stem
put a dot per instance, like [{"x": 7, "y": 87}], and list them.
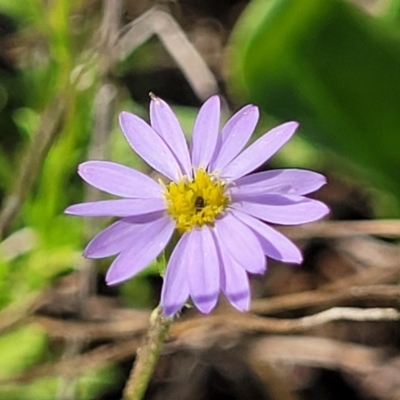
[{"x": 147, "y": 356}]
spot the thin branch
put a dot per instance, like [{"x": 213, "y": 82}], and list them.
[
  {"x": 318, "y": 352},
  {"x": 203, "y": 330},
  {"x": 110, "y": 25},
  {"x": 349, "y": 314},
  {"x": 315, "y": 352},
  {"x": 135, "y": 34},
  {"x": 368, "y": 276},
  {"x": 161, "y": 23},
  {"x": 233, "y": 322},
  {"x": 368, "y": 251},
  {"x": 133, "y": 324},
  {"x": 185, "y": 54},
  {"x": 326, "y": 298},
  {"x": 125, "y": 323},
  {"x": 377, "y": 376},
  {"x": 389, "y": 228}
]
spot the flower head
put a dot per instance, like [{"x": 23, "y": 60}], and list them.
[{"x": 217, "y": 209}]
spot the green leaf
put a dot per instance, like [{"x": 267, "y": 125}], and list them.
[
  {"x": 332, "y": 68},
  {"x": 20, "y": 349}
]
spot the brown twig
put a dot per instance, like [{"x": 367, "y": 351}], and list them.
[
  {"x": 161, "y": 23},
  {"x": 378, "y": 376},
  {"x": 316, "y": 352},
  {"x": 133, "y": 322},
  {"x": 389, "y": 228},
  {"x": 134, "y": 325},
  {"x": 203, "y": 329},
  {"x": 326, "y": 298},
  {"x": 186, "y": 332}
]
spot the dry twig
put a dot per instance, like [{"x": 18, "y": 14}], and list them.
[
  {"x": 326, "y": 298},
  {"x": 389, "y": 228},
  {"x": 202, "y": 331},
  {"x": 316, "y": 352},
  {"x": 161, "y": 23}
]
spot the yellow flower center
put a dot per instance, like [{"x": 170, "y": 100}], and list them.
[{"x": 196, "y": 202}]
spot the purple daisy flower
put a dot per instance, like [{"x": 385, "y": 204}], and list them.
[{"x": 216, "y": 210}]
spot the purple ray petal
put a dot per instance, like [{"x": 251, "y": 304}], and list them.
[
  {"x": 146, "y": 245},
  {"x": 119, "y": 180},
  {"x": 149, "y": 145},
  {"x": 241, "y": 243},
  {"x": 175, "y": 290},
  {"x": 203, "y": 269},
  {"x": 234, "y": 136},
  {"x": 234, "y": 281},
  {"x": 165, "y": 123},
  {"x": 274, "y": 244},
  {"x": 116, "y": 208},
  {"x": 281, "y": 209},
  {"x": 118, "y": 236},
  {"x": 259, "y": 152},
  {"x": 111, "y": 240},
  {"x": 283, "y": 181},
  {"x": 205, "y": 132}
]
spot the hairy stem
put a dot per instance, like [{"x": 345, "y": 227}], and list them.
[{"x": 147, "y": 356}]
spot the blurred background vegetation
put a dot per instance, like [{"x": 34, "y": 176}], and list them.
[{"x": 68, "y": 67}]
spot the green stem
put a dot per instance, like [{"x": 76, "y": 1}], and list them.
[{"x": 147, "y": 356}]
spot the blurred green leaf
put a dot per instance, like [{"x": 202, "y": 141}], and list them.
[
  {"x": 20, "y": 349},
  {"x": 42, "y": 389},
  {"x": 17, "y": 9},
  {"x": 89, "y": 386},
  {"x": 332, "y": 68},
  {"x": 137, "y": 292}
]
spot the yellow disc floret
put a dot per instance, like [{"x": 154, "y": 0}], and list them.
[{"x": 196, "y": 202}]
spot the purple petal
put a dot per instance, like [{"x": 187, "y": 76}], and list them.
[
  {"x": 111, "y": 240},
  {"x": 274, "y": 244},
  {"x": 116, "y": 208},
  {"x": 234, "y": 136},
  {"x": 241, "y": 243},
  {"x": 149, "y": 145},
  {"x": 203, "y": 269},
  {"x": 119, "y": 180},
  {"x": 118, "y": 236},
  {"x": 175, "y": 290},
  {"x": 234, "y": 281},
  {"x": 165, "y": 123},
  {"x": 279, "y": 181},
  {"x": 205, "y": 133},
  {"x": 281, "y": 209},
  {"x": 259, "y": 152},
  {"x": 146, "y": 245}
]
